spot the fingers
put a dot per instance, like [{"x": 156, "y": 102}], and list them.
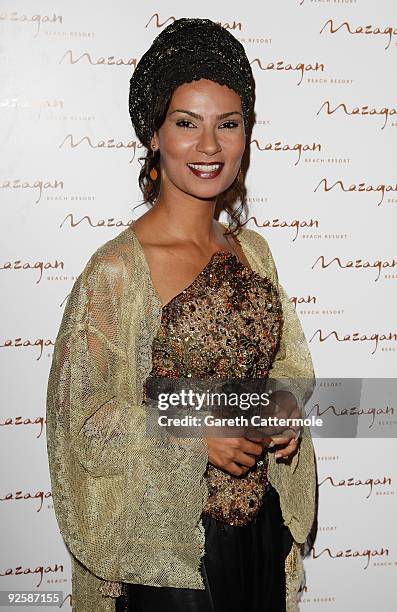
[
  {"x": 283, "y": 439},
  {"x": 236, "y": 470},
  {"x": 263, "y": 441},
  {"x": 289, "y": 450},
  {"x": 252, "y": 447},
  {"x": 296, "y": 431},
  {"x": 244, "y": 459},
  {"x": 290, "y": 439},
  {"x": 235, "y": 455}
]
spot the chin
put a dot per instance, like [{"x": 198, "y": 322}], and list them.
[
  {"x": 206, "y": 195},
  {"x": 201, "y": 194}
]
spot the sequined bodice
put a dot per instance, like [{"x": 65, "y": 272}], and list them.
[{"x": 226, "y": 323}]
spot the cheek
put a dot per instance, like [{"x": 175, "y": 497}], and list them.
[
  {"x": 174, "y": 143},
  {"x": 241, "y": 144},
  {"x": 233, "y": 145},
  {"x": 175, "y": 154}
]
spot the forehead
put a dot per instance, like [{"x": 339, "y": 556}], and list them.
[{"x": 205, "y": 93}]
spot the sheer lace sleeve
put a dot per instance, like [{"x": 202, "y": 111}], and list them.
[
  {"x": 293, "y": 360},
  {"x": 85, "y": 401}
]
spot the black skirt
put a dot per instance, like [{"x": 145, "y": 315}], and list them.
[{"x": 242, "y": 569}]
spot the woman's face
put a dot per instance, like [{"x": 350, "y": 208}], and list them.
[{"x": 204, "y": 125}]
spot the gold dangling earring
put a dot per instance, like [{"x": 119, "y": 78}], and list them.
[{"x": 153, "y": 173}]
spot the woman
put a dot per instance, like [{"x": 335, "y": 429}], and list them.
[{"x": 200, "y": 523}]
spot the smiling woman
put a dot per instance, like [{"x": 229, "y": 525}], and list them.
[
  {"x": 189, "y": 147},
  {"x": 206, "y": 169},
  {"x": 204, "y": 524},
  {"x": 194, "y": 138}
]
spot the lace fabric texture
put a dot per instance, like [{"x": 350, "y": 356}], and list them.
[
  {"x": 225, "y": 324},
  {"x": 129, "y": 506}
]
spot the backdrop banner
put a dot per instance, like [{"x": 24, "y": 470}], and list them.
[{"x": 322, "y": 189}]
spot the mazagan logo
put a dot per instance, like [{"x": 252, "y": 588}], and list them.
[
  {"x": 18, "y": 264},
  {"x": 355, "y": 336},
  {"x": 155, "y": 20},
  {"x": 357, "y": 264},
  {"x": 38, "y": 185},
  {"x": 368, "y": 483},
  {"x": 27, "y": 495}
]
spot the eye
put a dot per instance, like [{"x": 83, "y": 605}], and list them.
[
  {"x": 230, "y": 124},
  {"x": 183, "y": 121}
]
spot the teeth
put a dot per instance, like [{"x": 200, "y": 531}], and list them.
[{"x": 205, "y": 168}]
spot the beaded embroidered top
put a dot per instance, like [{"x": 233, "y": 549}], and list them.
[{"x": 226, "y": 323}]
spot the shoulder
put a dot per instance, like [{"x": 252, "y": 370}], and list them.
[
  {"x": 258, "y": 242},
  {"x": 257, "y": 245},
  {"x": 255, "y": 238},
  {"x": 106, "y": 281},
  {"x": 113, "y": 261},
  {"x": 111, "y": 274},
  {"x": 251, "y": 237}
]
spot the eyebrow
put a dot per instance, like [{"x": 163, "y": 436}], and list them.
[{"x": 196, "y": 116}]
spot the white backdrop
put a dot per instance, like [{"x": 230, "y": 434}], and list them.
[{"x": 322, "y": 190}]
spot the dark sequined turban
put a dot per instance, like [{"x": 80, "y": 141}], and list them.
[{"x": 188, "y": 49}]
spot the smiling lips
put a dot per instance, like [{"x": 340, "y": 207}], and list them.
[{"x": 206, "y": 170}]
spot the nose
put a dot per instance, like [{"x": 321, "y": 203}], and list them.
[{"x": 208, "y": 142}]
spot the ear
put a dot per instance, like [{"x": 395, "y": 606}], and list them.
[{"x": 154, "y": 141}]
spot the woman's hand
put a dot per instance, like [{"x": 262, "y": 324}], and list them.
[
  {"x": 234, "y": 455},
  {"x": 283, "y": 405},
  {"x": 237, "y": 455},
  {"x": 288, "y": 439}
]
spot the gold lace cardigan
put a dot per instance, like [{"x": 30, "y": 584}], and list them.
[{"x": 128, "y": 506}]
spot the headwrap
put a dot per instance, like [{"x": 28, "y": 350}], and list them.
[{"x": 188, "y": 49}]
